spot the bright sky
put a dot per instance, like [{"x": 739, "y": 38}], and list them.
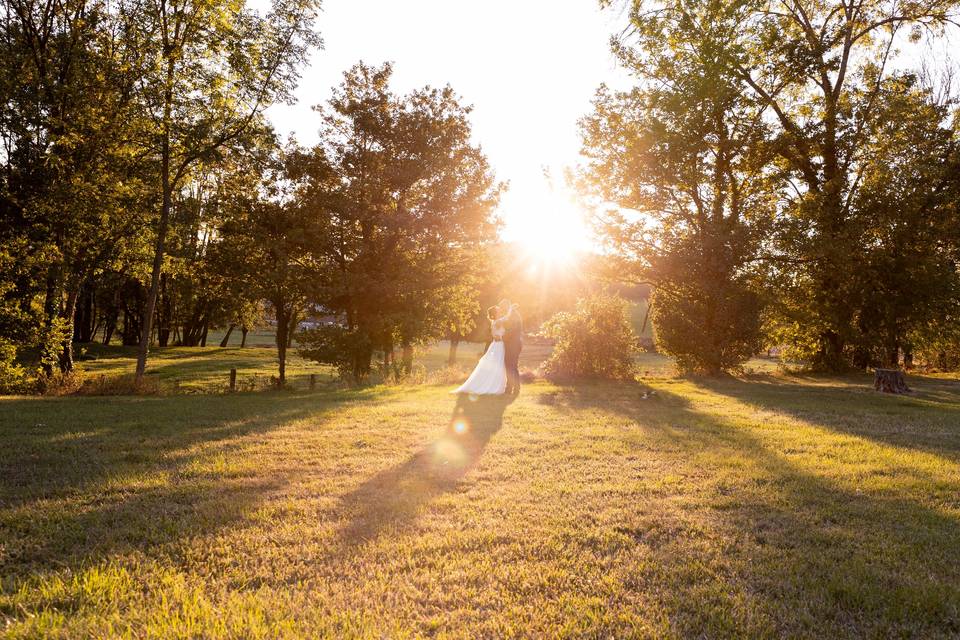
[{"x": 528, "y": 67}]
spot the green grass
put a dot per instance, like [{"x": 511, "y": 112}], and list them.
[
  {"x": 763, "y": 507},
  {"x": 207, "y": 369}
]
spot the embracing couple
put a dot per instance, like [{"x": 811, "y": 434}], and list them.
[{"x": 498, "y": 371}]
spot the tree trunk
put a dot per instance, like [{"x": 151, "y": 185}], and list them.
[
  {"x": 291, "y": 328},
  {"x": 83, "y": 321},
  {"x": 890, "y": 381},
  {"x": 163, "y": 314},
  {"x": 226, "y": 338},
  {"x": 51, "y": 302},
  {"x": 452, "y": 355},
  {"x": 66, "y": 349},
  {"x": 203, "y": 336},
  {"x": 132, "y": 315},
  {"x": 159, "y": 243},
  {"x": 282, "y": 327},
  {"x": 109, "y": 327},
  {"x": 893, "y": 355},
  {"x": 243, "y": 334},
  {"x": 407, "y": 357},
  {"x": 158, "y": 249}
]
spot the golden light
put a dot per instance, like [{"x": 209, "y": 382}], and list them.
[
  {"x": 447, "y": 452},
  {"x": 548, "y": 226}
]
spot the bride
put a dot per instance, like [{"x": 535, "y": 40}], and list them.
[{"x": 490, "y": 375}]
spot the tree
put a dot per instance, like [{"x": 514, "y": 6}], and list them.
[
  {"x": 681, "y": 167},
  {"x": 71, "y": 183},
  {"x": 400, "y": 202},
  {"x": 820, "y": 75},
  {"x": 907, "y": 211},
  {"x": 217, "y": 67},
  {"x": 819, "y": 68},
  {"x": 264, "y": 239}
]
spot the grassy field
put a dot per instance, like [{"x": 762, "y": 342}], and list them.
[
  {"x": 207, "y": 369},
  {"x": 761, "y": 507}
]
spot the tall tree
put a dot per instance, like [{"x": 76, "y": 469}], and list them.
[
  {"x": 72, "y": 178},
  {"x": 681, "y": 167},
  {"x": 401, "y": 201},
  {"x": 818, "y": 70},
  {"x": 217, "y": 66},
  {"x": 264, "y": 241}
]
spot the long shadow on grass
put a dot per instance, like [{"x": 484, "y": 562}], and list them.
[
  {"x": 392, "y": 498},
  {"x": 814, "y": 554},
  {"x": 927, "y": 420},
  {"x": 104, "y": 475}
]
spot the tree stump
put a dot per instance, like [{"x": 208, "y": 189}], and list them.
[{"x": 890, "y": 381}]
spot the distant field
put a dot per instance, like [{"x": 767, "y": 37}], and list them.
[{"x": 206, "y": 369}]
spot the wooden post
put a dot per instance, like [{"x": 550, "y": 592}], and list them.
[
  {"x": 313, "y": 381},
  {"x": 233, "y": 379},
  {"x": 890, "y": 381}
]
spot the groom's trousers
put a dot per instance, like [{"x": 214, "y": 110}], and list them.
[{"x": 511, "y": 359}]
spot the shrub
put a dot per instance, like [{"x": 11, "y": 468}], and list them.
[
  {"x": 348, "y": 351},
  {"x": 596, "y": 340},
  {"x": 707, "y": 329},
  {"x": 13, "y": 377}
]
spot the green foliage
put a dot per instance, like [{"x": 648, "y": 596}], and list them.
[
  {"x": 13, "y": 376},
  {"x": 401, "y": 208},
  {"x": 347, "y": 350},
  {"x": 829, "y": 177},
  {"x": 595, "y": 340},
  {"x": 684, "y": 159},
  {"x": 707, "y": 330}
]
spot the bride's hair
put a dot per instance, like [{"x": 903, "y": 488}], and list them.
[{"x": 492, "y": 313}]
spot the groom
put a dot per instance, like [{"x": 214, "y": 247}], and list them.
[{"x": 512, "y": 344}]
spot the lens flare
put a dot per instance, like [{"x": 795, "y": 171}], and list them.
[
  {"x": 448, "y": 452},
  {"x": 460, "y": 426}
]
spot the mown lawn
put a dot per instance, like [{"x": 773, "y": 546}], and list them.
[{"x": 762, "y": 507}]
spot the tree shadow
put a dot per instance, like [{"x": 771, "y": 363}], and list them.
[
  {"x": 925, "y": 420},
  {"x": 107, "y": 476},
  {"x": 392, "y": 498},
  {"x": 791, "y": 533}
]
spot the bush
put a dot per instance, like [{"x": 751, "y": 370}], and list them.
[
  {"x": 13, "y": 377},
  {"x": 596, "y": 340},
  {"x": 348, "y": 351},
  {"x": 707, "y": 330}
]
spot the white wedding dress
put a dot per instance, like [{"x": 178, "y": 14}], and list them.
[{"x": 489, "y": 377}]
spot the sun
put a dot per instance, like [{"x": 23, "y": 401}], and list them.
[{"x": 548, "y": 226}]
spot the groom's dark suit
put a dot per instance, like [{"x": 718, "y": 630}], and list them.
[{"x": 512, "y": 344}]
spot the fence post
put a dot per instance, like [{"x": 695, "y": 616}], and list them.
[
  {"x": 313, "y": 381},
  {"x": 233, "y": 379}
]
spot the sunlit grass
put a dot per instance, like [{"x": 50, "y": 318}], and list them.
[
  {"x": 766, "y": 507},
  {"x": 207, "y": 369}
]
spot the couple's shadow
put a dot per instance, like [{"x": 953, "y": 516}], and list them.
[{"x": 392, "y": 498}]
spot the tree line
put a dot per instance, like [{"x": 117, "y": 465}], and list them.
[
  {"x": 144, "y": 197},
  {"x": 783, "y": 179}
]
